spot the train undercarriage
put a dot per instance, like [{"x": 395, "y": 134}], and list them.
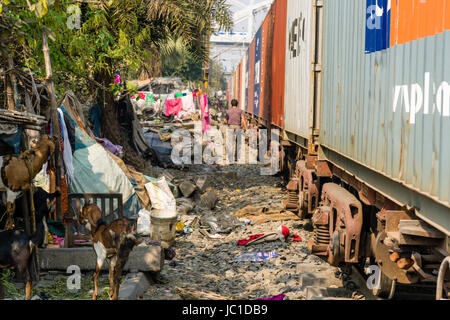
[{"x": 357, "y": 225}]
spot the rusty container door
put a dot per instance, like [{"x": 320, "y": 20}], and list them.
[
  {"x": 243, "y": 82},
  {"x": 386, "y": 103},
  {"x": 251, "y": 77},
  {"x": 229, "y": 92},
  {"x": 299, "y": 87},
  {"x": 266, "y": 61},
  {"x": 257, "y": 73},
  {"x": 279, "y": 11},
  {"x": 238, "y": 83}
]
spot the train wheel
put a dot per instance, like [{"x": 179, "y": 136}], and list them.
[{"x": 386, "y": 289}]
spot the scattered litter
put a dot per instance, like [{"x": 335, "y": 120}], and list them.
[
  {"x": 243, "y": 242},
  {"x": 161, "y": 196},
  {"x": 278, "y": 297},
  {"x": 180, "y": 225},
  {"x": 261, "y": 215},
  {"x": 256, "y": 256},
  {"x": 143, "y": 222},
  {"x": 220, "y": 223},
  {"x": 281, "y": 234}
]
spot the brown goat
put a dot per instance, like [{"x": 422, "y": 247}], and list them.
[{"x": 112, "y": 241}]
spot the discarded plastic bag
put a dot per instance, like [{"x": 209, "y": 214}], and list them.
[
  {"x": 256, "y": 256},
  {"x": 220, "y": 223},
  {"x": 143, "y": 222},
  {"x": 161, "y": 196}
]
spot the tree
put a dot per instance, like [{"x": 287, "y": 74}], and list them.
[{"x": 130, "y": 36}]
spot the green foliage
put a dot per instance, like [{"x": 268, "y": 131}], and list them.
[
  {"x": 184, "y": 65},
  {"x": 115, "y": 35}
]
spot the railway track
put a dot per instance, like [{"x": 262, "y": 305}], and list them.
[{"x": 425, "y": 290}]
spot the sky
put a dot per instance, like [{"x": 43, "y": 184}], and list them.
[{"x": 230, "y": 57}]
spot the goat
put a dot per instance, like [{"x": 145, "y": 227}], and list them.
[
  {"x": 17, "y": 172},
  {"x": 16, "y": 247},
  {"x": 112, "y": 241}
]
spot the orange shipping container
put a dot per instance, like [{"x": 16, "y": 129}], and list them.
[{"x": 279, "y": 12}]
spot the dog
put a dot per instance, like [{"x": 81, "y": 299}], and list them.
[
  {"x": 112, "y": 241},
  {"x": 16, "y": 247}
]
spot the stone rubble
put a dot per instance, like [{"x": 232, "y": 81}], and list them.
[{"x": 208, "y": 265}]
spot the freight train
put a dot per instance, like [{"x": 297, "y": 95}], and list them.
[{"x": 360, "y": 92}]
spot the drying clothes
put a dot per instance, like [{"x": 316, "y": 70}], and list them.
[
  {"x": 114, "y": 149},
  {"x": 141, "y": 95},
  {"x": 204, "y": 107},
  {"x": 94, "y": 117},
  {"x": 67, "y": 150},
  {"x": 149, "y": 99},
  {"x": 173, "y": 106},
  {"x": 243, "y": 242},
  {"x": 64, "y": 196},
  {"x": 188, "y": 106},
  {"x": 178, "y": 95}
]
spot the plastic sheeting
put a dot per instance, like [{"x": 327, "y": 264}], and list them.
[{"x": 97, "y": 172}]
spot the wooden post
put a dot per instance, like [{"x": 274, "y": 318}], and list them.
[
  {"x": 10, "y": 90},
  {"x": 54, "y": 116}
]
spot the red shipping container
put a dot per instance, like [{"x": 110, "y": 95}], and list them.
[
  {"x": 266, "y": 61},
  {"x": 279, "y": 11},
  {"x": 251, "y": 77}
]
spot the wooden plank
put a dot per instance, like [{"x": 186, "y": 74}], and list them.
[
  {"x": 419, "y": 228},
  {"x": 120, "y": 207},
  {"x": 103, "y": 208},
  {"x": 111, "y": 209}
]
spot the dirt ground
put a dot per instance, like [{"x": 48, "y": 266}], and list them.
[
  {"x": 204, "y": 267},
  {"x": 207, "y": 265}
]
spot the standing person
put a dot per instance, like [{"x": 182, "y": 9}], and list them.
[
  {"x": 235, "y": 116},
  {"x": 236, "y": 120}
]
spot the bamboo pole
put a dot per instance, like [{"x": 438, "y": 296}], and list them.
[
  {"x": 54, "y": 116},
  {"x": 12, "y": 76},
  {"x": 9, "y": 85}
]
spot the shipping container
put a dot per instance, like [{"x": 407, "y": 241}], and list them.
[
  {"x": 299, "y": 53},
  {"x": 251, "y": 77},
  {"x": 386, "y": 104},
  {"x": 265, "y": 103},
  {"x": 243, "y": 82},
  {"x": 239, "y": 80},
  {"x": 278, "y": 67}
]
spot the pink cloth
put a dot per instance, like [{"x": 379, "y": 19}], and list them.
[
  {"x": 173, "y": 106},
  {"x": 204, "y": 107},
  {"x": 117, "y": 79}
]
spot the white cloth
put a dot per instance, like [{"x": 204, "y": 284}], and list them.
[
  {"x": 188, "y": 106},
  {"x": 67, "y": 155}
]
